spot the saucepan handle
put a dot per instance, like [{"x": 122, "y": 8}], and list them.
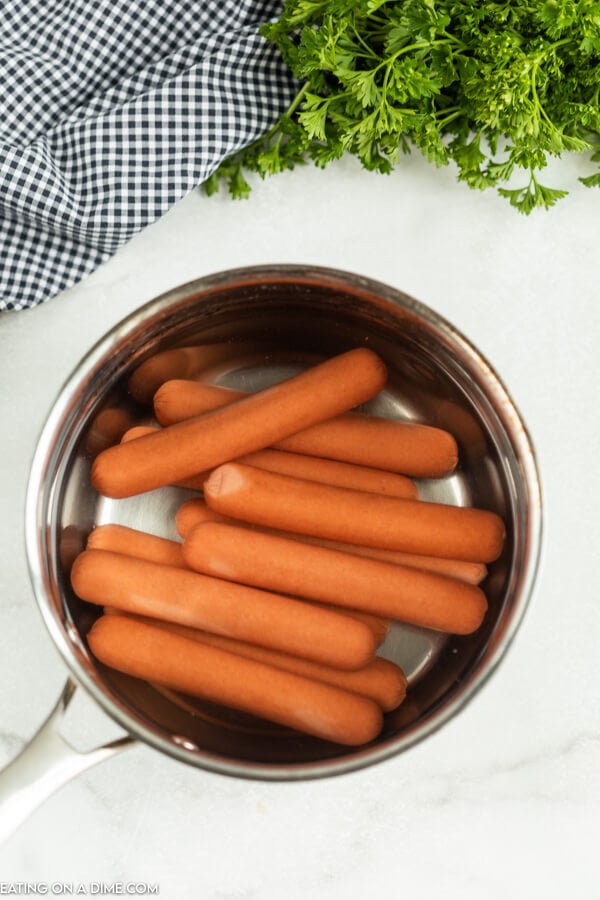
[{"x": 47, "y": 762}]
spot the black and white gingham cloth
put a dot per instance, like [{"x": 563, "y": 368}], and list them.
[{"x": 110, "y": 112}]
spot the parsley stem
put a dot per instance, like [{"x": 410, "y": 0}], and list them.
[
  {"x": 286, "y": 115},
  {"x": 361, "y": 40},
  {"x": 296, "y": 101},
  {"x": 538, "y": 103},
  {"x": 419, "y": 45},
  {"x": 454, "y": 115},
  {"x": 265, "y": 138}
]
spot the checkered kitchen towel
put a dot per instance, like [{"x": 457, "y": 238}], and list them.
[{"x": 112, "y": 110}]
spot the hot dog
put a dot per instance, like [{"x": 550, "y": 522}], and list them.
[
  {"x": 130, "y": 542},
  {"x": 355, "y": 517},
  {"x": 179, "y": 399},
  {"x": 379, "y": 625},
  {"x": 107, "y": 429},
  {"x": 195, "y": 511},
  {"x": 304, "y": 570},
  {"x": 381, "y": 680},
  {"x": 178, "y": 595},
  {"x": 251, "y": 424},
  {"x": 193, "y": 483},
  {"x": 329, "y": 471},
  {"x": 181, "y": 362},
  {"x": 138, "y": 431},
  {"x": 470, "y": 572},
  {"x": 419, "y": 450},
  {"x": 325, "y": 471},
  {"x": 156, "y": 655}
]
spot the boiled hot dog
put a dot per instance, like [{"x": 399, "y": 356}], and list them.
[
  {"x": 195, "y": 511},
  {"x": 316, "y": 573},
  {"x": 251, "y": 424},
  {"x": 180, "y": 362},
  {"x": 419, "y": 450},
  {"x": 381, "y": 680},
  {"x": 325, "y": 471},
  {"x": 130, "y": 542},
  {"x": 355, "y": 517},
  {"x": 156, "y": 655}
]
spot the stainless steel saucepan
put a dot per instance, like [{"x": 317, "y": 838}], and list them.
[{"x": 260, "y": 325}]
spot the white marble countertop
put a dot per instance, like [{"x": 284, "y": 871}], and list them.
[{"x": 502, "y": 802}]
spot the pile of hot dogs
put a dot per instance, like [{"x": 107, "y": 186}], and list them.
[{"x": 310, "y": 539}]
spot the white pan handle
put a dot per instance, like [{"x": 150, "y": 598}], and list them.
[{"x": 47, "y": 762}]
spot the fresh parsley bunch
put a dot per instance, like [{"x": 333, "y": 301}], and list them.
[{"x": 497, "y": 87}]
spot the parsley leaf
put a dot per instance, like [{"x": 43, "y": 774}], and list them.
[{"x": 494, "y": 88}]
